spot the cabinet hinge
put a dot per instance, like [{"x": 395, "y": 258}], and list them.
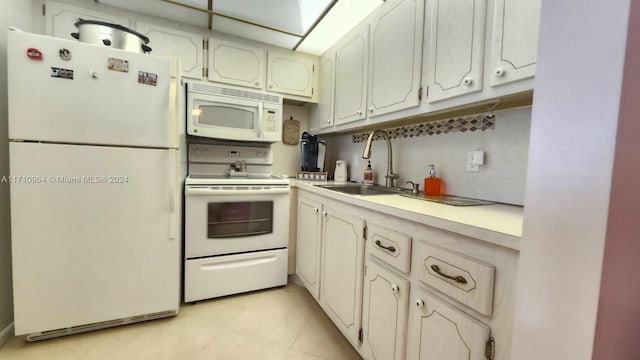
[
  {"x": 364, "y": 233},
  {"x": 490, "y": 349},
  {"x": 205, "y": 44},
  {"x": 44, "y": 10},
  {"x": 420, "y": 94},
  {"x": 361, "y": 336},
  {"x": 313, "y": 68},
  {"x": 365, "y": 270},
  {"x": 205, "y": 72}
]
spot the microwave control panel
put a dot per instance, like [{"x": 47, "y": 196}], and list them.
[{"x": 270, "y": 120}]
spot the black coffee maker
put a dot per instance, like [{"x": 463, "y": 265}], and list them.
[{"x": 312, "y": 153}]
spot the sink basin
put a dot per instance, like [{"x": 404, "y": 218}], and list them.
[
  {"x": 358, "y": 189},
  {"x": 449, "y": 200}
]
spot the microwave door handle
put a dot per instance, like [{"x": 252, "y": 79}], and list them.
[{"x": 259, "y": 120}]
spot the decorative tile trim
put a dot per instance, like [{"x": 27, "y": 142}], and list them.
[{"x": 480, "y": 122}]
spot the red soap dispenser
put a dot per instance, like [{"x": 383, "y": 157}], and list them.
[{"x": 432, "y": 184}]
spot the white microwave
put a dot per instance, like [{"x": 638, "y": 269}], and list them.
[{"x": 232, "y": 113}]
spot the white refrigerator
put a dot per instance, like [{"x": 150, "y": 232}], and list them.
[{"x": 94, "y": 201}]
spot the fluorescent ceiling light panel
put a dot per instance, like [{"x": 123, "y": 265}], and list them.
[{"x": 344, "y": 16}]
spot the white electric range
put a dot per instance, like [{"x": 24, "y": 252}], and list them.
[{"x": 236, "y": 223}]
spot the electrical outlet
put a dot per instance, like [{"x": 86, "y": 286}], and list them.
[{"x": 470, "y": 162}]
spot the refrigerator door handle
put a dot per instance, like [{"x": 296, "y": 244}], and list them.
[{"x": 173, "y": 221}]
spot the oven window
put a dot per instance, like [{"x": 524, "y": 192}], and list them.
[
  {"x": 228, "y": 116},
  {"x": 233, "y": 219}
]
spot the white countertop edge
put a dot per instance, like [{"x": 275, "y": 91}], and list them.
[{"x": 376, "y": 202}]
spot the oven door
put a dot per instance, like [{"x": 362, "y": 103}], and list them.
[
  {"x": 219, "y": 221},
  {"x": 224, "y": 118}
]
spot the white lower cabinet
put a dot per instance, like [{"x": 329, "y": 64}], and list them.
[
  {"x": 399, "y": 289},
  {"x": 342, "y": 271},
  {"x": 384, "y": 314},
  {"x": 438, "y": 331},
  {"x": 308, "y": 244}
]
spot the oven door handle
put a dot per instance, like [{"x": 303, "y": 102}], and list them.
[{"x": 208, "y": 191}]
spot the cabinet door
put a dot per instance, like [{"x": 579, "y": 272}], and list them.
[
  {"x": 187, "y": 47},
  {"x": 515, "y": 40},
  {"x": 384, "y": 313},
  {"x": 438, "y": 331},
  {"x": 396, "y": 56},
  {"x": 308, "y": 244},
  {"x": 456, "y": 47},
  {"x": 291, "y": 73},
  {"x": 351, "y": 77},
  {"x": 60, "y": 19},
  {"x": 327, "y": 87},
  {"x": 342, "y": 270},
  {"x": 236, "y": 64}
]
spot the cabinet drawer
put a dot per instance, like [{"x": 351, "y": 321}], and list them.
[
  {"x": 467, "y": 280},
  {"x": 390, "y": 246}
]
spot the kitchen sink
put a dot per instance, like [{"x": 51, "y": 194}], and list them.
[
  {"x": 449, "y": 199},
  {"x": 358, "y": 189}
]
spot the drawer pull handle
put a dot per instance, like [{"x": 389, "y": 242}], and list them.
[
  {"x": 388, "y": 248},
  {"x": 458, "y": 279}
]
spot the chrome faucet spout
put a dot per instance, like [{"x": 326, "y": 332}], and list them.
[{"x": 366, "y": 154}]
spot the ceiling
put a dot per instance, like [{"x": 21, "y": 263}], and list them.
[{"x": 310, "y": 26}]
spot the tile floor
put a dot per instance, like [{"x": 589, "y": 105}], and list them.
[{"x": 282, "y": 323}]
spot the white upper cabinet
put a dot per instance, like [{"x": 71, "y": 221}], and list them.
[
  {"x": 351, "y": 76},
  {"x": 186, "y": 46},
  {"x": 236, "y": 64},
  {"x": 327, "y": 89},
  {"x": 515, "y": 40},
  {"x": 60, "y": 19},
  {"x": 455, "y": 47},
  {"x": 395, "y": 62},
  {"x": 292, "y": 73}
]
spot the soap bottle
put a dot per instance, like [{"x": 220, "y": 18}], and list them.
[
  {"x": 432, "y": 184},
  {"x": 368, "y": 174}
]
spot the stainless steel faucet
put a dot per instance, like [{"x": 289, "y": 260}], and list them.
[{"x": 390, "y": 177}]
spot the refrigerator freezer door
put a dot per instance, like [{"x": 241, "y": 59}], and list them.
[
  {"x": 92, "y": 234},
  {"x": 86, "y": 94}
]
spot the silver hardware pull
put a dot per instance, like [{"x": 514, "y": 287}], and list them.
[
  {"x": 388, "y": 248},
  {"x": 468, "y": 81},
  {"x": 459, "y": 279},
  {"x": 419, "y": 303},
  {"x": 395, "y": 289},
  {"x": 316, "y": 209}
]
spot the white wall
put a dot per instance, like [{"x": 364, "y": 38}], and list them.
[
  {"x": 502, "y": 178},
  {"x": 286, "y": 158},
  {"x": 574, "y": 122},
  {"x": 16, "y": 13}
]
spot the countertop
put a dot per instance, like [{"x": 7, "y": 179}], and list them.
[{"x": 498, "y": 224}]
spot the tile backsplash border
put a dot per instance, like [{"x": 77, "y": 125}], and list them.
[{"x": 473, "y": 123}]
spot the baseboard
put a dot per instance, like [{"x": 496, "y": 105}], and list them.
[
  {"x": 6, "y": 334},
  {"x": 293, "y": 278}
]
